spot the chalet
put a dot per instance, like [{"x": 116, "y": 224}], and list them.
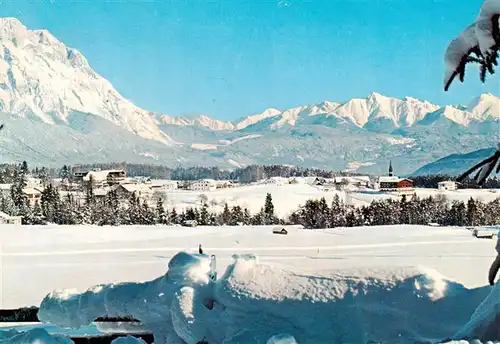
[
  {"x": 447, "y": 185},
  {"x": 105, "y": 177}
]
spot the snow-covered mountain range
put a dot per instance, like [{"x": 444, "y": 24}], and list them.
[{"x": 57, "y": 110}]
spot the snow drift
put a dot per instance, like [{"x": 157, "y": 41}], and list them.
[
  {"x": 35, "y": 336},
  {"x": 258, "y": 303}
]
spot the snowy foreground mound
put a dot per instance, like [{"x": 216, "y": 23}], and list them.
[{"x": 257, "y": 303}]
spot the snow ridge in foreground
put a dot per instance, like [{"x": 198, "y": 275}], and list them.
[{"x": 258, "y": 303}]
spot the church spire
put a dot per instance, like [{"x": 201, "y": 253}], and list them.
[{"x": 390, "y": 169}]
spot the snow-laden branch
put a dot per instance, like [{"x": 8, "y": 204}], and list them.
[{"x": 478, "y": 43}]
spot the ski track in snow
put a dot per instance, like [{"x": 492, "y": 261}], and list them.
[{"x": 226, "y": 249}]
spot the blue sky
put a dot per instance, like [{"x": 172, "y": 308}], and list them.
[{"x": 232, "y": 58}]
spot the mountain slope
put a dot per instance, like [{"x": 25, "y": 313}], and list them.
[
  {"x": 42, "y": 78},
  {"x": 454, "y": 164}
]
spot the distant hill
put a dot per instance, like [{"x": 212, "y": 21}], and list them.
[{"x": 454, "y": 164}]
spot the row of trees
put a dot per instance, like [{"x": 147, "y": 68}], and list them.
[
  {"x": 421, "y": 211},
  {"x": 110, "y": 210}
]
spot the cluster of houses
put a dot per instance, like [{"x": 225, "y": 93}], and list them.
[
  {"x": 145, "y": 188},
  {"x": 387, "y": 184},
  {"x": 150, "y": 190},
  {"x": 103, "y": 181}
]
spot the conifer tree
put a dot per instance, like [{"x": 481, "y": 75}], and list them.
[
  {"x": 236, "y": 216},
  {"x": 204, "y": 214},
  {"x": 174, "y": 218},
  {"x": 161, "y": 215},
  {"x": 269, "y": 217},
  {"x": 226, "y": 215}
]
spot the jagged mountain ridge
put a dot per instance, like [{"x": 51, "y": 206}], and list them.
[
  {"x": 44, "y": 84},
  {"x": 362, "y": 112}
]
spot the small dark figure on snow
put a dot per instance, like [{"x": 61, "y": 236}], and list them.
[{"x": 200, "y": 250}]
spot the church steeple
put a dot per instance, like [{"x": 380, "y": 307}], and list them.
[{"x": 390, "y": 169}]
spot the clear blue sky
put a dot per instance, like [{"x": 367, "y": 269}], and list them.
[{"x": 232, "y": 58}]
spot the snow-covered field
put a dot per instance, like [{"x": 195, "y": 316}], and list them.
[
  {"x": 380, "y": 283},
  {"x": 288, "y": 197}
]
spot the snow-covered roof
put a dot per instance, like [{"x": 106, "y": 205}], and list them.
[
  {"x": 161, "y": 182},
  {"x": 100, "y": 176},
  {"x": 32, "y": 191},
  {"x": 308, "y": 180},
  {"x": 5, "y": 186},
  {"x": 355, "y": 179},
  {"x": 136, "y": 187},
  {"x": 445, "y": 182},
  {"x": 389, "y": 179},
  {"x": 7, "y": 216},
  {"x": 361, "y": 178},
  {"x": 101, "y": 191},
  {"x": 210, "y": 181}
]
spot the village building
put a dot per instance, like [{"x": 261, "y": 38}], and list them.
[
  {"x": 105, "y": 177},
  {"x": 224, "y": 184},
  {"x": 317, "y": 181},
  {"x": 163, "y": 185},
  {"x": 203, "y": 185},
  {"x": 392, "y": 183},
  {"x": 10, "y": 220},
  {"x": 447, "y": 185},
  {"x": 142, "y": 191},
  {"x": 34, "y": 195},
  {"x": 5, "y": 189},
  {"x": 358, "y": 181}
]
